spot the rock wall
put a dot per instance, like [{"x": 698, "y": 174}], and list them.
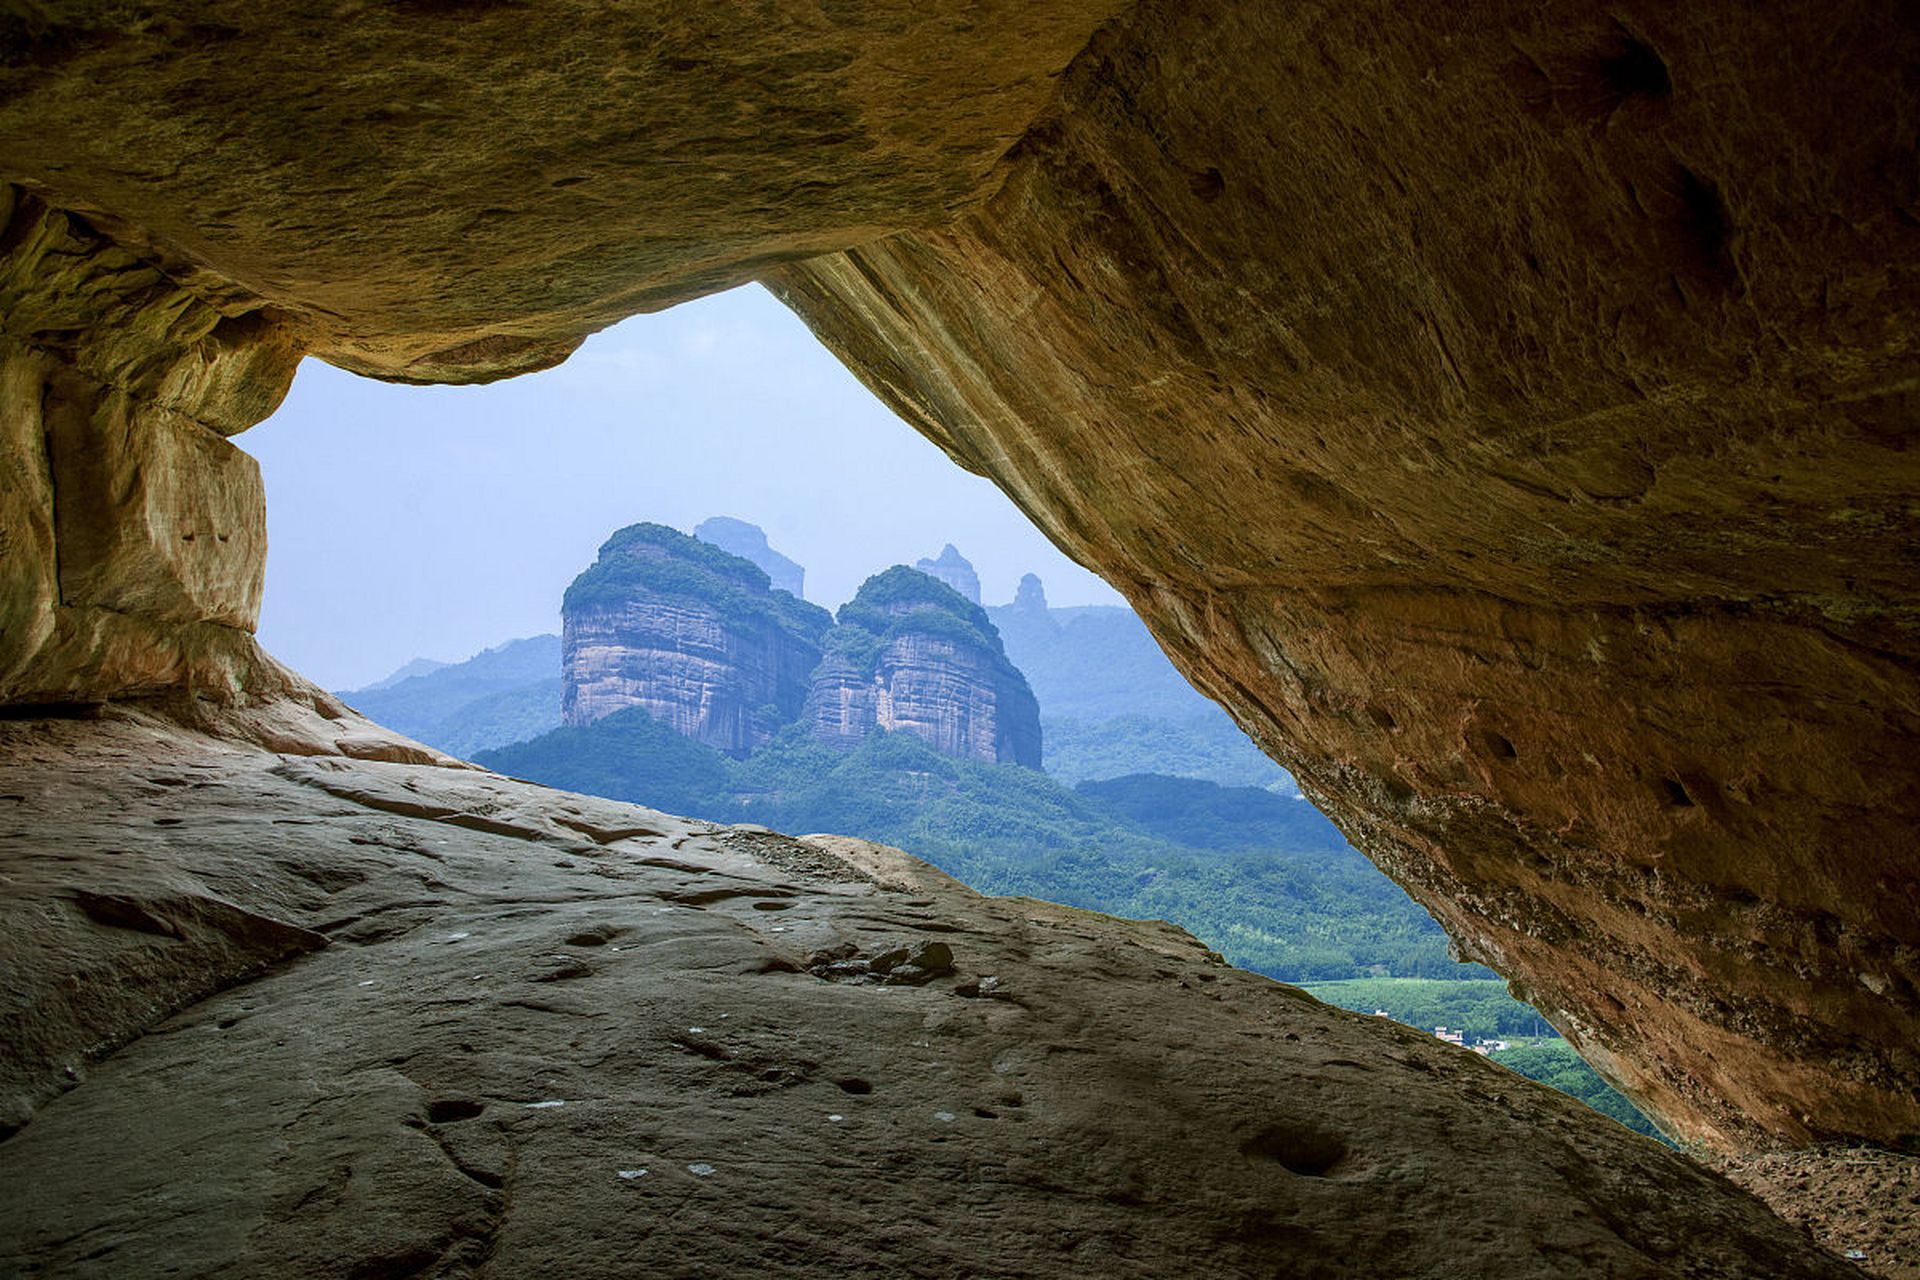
[
  {"x": 692, "y": 634},
  {"x": 1516, "y": 434},
  {"x": 132, "y": 533},
  {"x": 911, "y": 655}
]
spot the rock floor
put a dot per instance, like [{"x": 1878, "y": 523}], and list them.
[{"x": 275, "y": 1015}]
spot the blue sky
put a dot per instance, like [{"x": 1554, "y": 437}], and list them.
[{"x": 433, "y": 522}]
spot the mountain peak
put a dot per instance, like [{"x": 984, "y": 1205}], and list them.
[
  {"x": 749, "y": 541},
  {"x": 953, "y": 569}
]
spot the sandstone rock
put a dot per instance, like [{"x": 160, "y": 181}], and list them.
[
  {"x": 749, "y": 542},
  {"x": 495, "y": 183},
  {"x": 525, "y": 1051},
  {"x": 132, "y": 533},
  {"x": 1505, "y": 410},
  {"x": 692, "y": 634},
  {"x": 1463, "y": 452},
  {"x": 910, "y": 654}
]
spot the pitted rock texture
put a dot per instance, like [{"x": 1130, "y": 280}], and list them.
[
  {"x": 1515, "y": 432},
  {"x": 911, "y": 655},
  {"x": 689, "y": 632},
  {"x": 552, "y": 1035}
]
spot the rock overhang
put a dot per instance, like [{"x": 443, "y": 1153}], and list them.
[{"x": 1504, "y": 412}]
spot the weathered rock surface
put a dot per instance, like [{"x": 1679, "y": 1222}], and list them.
[
  {"x": 1508, "y": 413},
  {"x": 457, "y": 191},
  {"x": 551, "y": 1035},
  {"x": 132, "y": 533},
  {"x": 910, "y": 654},
  {"x": 749, "y": 542},
  {"x": 1505, "y": 409},
  {"x": 694, "y": 635}
]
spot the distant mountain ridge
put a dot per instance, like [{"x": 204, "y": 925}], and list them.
[
  {"x": 749, "y": 542},
  {"x": 508, "y": 693},
  {"x": 1110, "y": 704}
]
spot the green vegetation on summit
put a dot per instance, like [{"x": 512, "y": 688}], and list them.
[{"x": 649, "y": 558}]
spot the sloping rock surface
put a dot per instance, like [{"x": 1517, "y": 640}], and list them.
[{"x": 553, "y": 1035}]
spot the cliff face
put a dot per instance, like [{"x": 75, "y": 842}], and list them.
[
  {"x": 909, "y": 654},
  {"x": 692, "y": 634}
]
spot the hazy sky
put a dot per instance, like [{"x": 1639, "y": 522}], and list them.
[{"x": 434, "y": 522}]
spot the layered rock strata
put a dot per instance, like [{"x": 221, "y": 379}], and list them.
[
  {"x": 910, "y": 655},
  {"x": 448, "y": 1023},
  {"x": 692, "y": 634}
]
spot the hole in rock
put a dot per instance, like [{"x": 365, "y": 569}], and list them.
[
  {"x": 1631, "y": 69},
  {"x": 1496, "y": 745},
  {"x": 1305, "y": 1149},
  {"x": 429, "y": 605},
  {"x": 855, "y": 1085},
  {"x": 1676, "y": 793},
  {"x": 453, "y": 1110}
]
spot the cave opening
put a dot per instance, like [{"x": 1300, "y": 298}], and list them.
[{"x": 432, "y": 602}]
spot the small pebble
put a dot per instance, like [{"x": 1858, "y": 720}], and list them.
[
  {"x": 836, "y": 1119},
  {"x": 456, "y": 937},
  {"x": 700, "y": 1170},
  {"x": 944, "y": 1117},
  {"x": 696, "y": 1031},
  {"x": 367, "y": 983},
  {"x": 557, "y": 1102},
  {"x": 631, "y": 1174}
]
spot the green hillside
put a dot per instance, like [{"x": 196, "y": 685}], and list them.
[{"x": 1284, "y": 898}]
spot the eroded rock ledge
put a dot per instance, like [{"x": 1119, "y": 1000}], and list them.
[{"x": 454, "y": 1023}]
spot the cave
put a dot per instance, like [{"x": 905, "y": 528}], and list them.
[{"x": 1504, "y": 412}]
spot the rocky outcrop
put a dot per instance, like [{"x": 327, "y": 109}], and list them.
[
  {"x": 690, "y": 633},
  {"x": 953, "y": 569},
  {"x": 749, "y": 542},
  {"x": 1506, "y": 410},
  {"x": 1030, "y": 597},
  {"x": 522, "y": 1032},
  {"x": 910, "y": 655},
  {"x": 132, "y": 533}
]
